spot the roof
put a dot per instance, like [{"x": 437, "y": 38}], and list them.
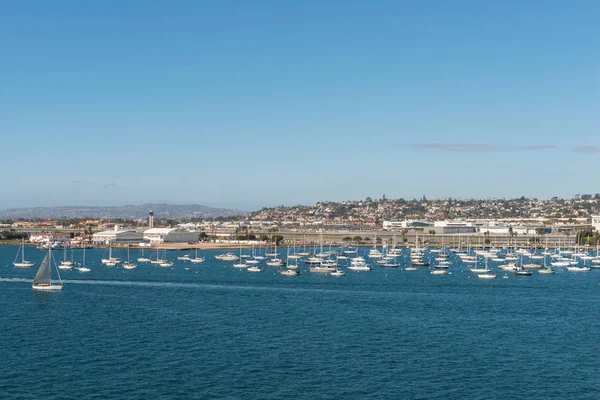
[
  {"x": 112, "y": 232},
  {"x": 159, "y": 231}
]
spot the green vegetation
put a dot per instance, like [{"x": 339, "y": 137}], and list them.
[{"x": 12, "y": 235}]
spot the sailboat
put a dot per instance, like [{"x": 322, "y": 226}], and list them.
[
  {"x": 23, "y": 263},
  {"x": 66, "y": 264},
  {"x": 242, "y": 263},
  {"x": 43, "y": 278},
  {"x": 83, "y": 267},
  {"x": 110, "y": 261},
  {"x": 197, "y": 260},
  {"x": 142, "y": 258},
  {"x": 128, "y": 264},
  {"x": 546, "y": 269}
]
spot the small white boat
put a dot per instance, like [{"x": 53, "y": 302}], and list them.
[
  {"x": 166, "y": 264},
  {"x": 184, "y": 258},
  {"x": 129, "y": 265},
  {"x": 480, "y": 270},
  {"x": 110, "y": 260},
  {"x": 254, "y": 268},
  {"x": 290, "y": 272},
  {"x": 23, "y": 263},
  {"x": 360, "y": 268},
  {"x": 227, "y": 257},
  {"x": 487, "y": 275},
  {"x": 522, "y": 272},
  {"x": 82, "y": 267},
  {"x": 275, "y": 262},
  {"x": 546, "y": 271},
  {"x": 143, "y": 259},
  {"x": 410, "y": 268},
  {"x": 196, "y": 259},
  {"x": 322, "y": 269},
  {"x": 439, "y": 272},
  {"x": 240, "y": 265},
  {"x": 338, "y": 272},
  {"x": 578, "y": 269}
]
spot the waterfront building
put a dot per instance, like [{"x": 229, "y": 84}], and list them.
[
  {"x": 117, "y": 236},
  {"x": 170, "y": 235},
  {"x": 48, "y": 238}
]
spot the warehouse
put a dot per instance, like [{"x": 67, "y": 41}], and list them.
[
  {"x": 170, "y": 235},
  {"x": 117, "y": 237}
]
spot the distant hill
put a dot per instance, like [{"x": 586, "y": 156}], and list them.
[{"x": 161, "y": 210}]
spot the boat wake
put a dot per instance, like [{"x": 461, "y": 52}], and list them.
[{"x": 185, "y": 285}]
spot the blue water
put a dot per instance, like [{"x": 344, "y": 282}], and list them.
[{"x": 217, "y": 332}]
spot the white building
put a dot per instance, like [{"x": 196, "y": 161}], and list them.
[
  {"x": 117, "y": 236},
  {"x": 596, "y": 222},
  {"x": 170, "y": 235},
  {"x": 47, "y": 238}
]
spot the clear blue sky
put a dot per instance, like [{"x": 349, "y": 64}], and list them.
[{"x": 252, "y": 103}]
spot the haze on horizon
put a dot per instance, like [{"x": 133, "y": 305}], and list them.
[{"x": 248, "y": 104}]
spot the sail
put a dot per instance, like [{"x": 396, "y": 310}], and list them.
[{"x": 43, "y": 275}]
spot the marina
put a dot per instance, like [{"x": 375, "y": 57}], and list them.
[{"x": 392, "y": 321}]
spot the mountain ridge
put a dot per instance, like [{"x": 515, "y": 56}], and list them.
[{"x": 161, "y": 210}]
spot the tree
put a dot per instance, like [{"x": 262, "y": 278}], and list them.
[
  {"x": 202, "y": 236},
  {"x": 432, "y": 232},
  {"x": 540, "y": 231},
  {"x": 347, "y": 239},
  {"x": 357, "y": 239},
  {"x": 277, "y": 239}
]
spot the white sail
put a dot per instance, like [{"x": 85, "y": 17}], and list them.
[{"x": 43, "y": 276}]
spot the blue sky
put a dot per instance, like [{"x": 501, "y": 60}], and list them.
[{"x": 247, "y": 104}]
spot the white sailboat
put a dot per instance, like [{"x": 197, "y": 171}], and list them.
[
  {"x": 197, "y": 260},
  {"x": 110, "y": 261},
  {"x": 23, "y": 263},
  {"x": 129, "y": 264},
  {"x": 83, "y": 267},
  {"x": 242, "y": 263},
  {"x": 142, "y": 258},
  {"x": 43, "y": 278},
  {"x": 66, "y": 264}
]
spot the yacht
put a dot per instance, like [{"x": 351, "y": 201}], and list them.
[
  {"x": 23, "y": 263},
  {"x": 227, "y": 257},
  {"x": 439, "y": 272},
  {"x": 578, "y": 269},
  {"x": 290, "y": 272},
  {"x": 360, "y": 267}
]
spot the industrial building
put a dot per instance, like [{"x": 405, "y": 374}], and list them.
[
  {"x": 170, "y": 235},
  {"x": 117, "y": 237}
]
